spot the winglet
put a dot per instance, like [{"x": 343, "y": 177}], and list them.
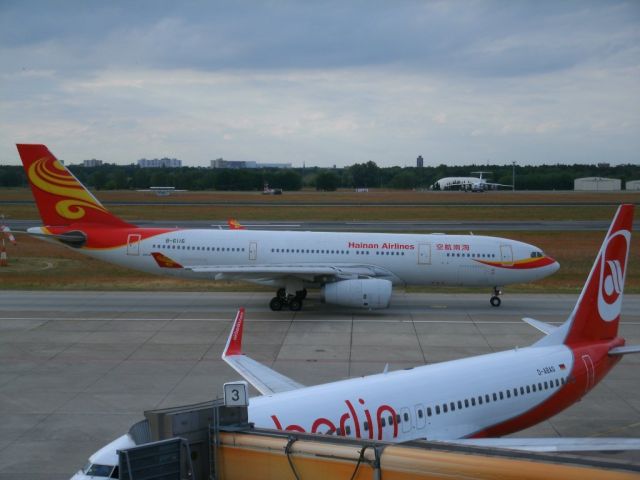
[
  {"x": 234, "y": 342},
  {"x": 235, "y": 224}
]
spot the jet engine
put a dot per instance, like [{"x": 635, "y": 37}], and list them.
[{"x": 369, "y": 293}]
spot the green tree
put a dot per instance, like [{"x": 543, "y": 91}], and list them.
[
  {"x": 405, "y": 180},
  {"x": 327, "y": 181}
]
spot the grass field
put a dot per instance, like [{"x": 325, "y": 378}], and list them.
[{"x": 37, "y": 265}]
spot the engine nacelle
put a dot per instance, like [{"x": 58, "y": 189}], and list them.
[{"x": 366, "y": 293}]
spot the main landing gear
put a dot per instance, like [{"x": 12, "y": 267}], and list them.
[
  {"x": 495, "y": 299},
  {"x": 282, "y": 300}
]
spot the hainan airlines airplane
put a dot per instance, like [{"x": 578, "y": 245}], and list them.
[
  {"x": 466, "y": 401},
  {"x": 353, "y": 269}
]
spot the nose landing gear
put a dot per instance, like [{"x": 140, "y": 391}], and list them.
[
  {"x": 281, "y": 300},
  {"x": 495, "y": 299}
]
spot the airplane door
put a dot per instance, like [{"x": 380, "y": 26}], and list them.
[
  {"x": 421, "y": 417},
  {"x": 591, "y": 374},
  {"x": 253, "y": 250},
  {"x": 133, "y": 244},
  {"x": 424, "y": 254},
  {"x": 506, "y": 254},
  {"x": 406, "y": 420}
]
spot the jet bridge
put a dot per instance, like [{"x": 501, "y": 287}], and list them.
[{"x": 214, "y": 441}]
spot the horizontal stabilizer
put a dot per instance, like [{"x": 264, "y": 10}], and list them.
[
  {"x": 266, "y": 380},
  {"x": 625, "y": 350},
  {"x": 543, "y": 327},
  {"x": 592, "y": 444}
]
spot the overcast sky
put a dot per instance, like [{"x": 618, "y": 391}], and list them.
[{"x": 323, "y": 83}]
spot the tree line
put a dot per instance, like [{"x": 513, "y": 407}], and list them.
[{"x": 359, "y": 175}]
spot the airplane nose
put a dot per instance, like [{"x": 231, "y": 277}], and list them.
[{"x": 555, "y": 266}]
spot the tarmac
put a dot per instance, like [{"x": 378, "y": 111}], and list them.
[{"x": 77, "y": 369}]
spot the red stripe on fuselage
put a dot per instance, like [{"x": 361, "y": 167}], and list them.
[
  {"x": 578, "y": 384},
  {"x": 520, "y": 264}
]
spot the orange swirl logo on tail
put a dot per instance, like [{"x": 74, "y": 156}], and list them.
[{"x": 50, "y": 176}]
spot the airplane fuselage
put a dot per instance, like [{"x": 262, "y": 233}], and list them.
[
  {"x": 483, "y": 396},
  {"x": 435, "y": 259}
]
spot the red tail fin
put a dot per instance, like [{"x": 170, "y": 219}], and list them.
[
  {"x": 597, "y": 312},
  {"x": 61, "y": 198}
]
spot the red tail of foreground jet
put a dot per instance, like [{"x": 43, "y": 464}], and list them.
[{"x": 352, "y": 269}]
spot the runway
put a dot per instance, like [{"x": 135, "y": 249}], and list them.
[
  {"x": 78, "y": 368},
  {"x": 363, "y": 226}
]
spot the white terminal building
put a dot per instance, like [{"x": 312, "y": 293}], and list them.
[
  {"x": 160, "y": 163},
  {"x": 597, "y": 184},
  {"x": 221, "y": 163},
  {"x": 633, "y": 185}
]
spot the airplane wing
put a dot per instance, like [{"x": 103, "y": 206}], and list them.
[
  {"x": 305, "y": 271},
  {"x": 543, "y": 327},
  {"x": 566, "y": 444},
  {"x": 263, "y": 378}
]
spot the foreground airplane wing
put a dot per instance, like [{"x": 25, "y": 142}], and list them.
[
  {"x": 263, "y": 378},
  {"x": 566, "y": 444}
]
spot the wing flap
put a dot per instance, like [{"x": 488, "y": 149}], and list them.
[{"x": 266, "y": 380}]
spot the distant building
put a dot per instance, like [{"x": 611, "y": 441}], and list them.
[
  {"x": 160, "y": 163},
  {"x": 419, "y": 161},
  {"x": 597, "y": 184},
  {"x": 221, "y": 163},
  {"x": 633, "y": 185},
  {"x": 92, "y": 163}
]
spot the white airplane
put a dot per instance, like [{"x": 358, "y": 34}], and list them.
[
  {"x": 353, "y": 269},
  {"x": 467, "y": 184},
  {"x": 468, "y": 401}
]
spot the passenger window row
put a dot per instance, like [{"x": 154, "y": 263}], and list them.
[
  {"x": 334, "y": 252},
  {"x": 496, "y": 396},
  {"x": 198, "y": 248},
  {"x": 472, "y": 255}
]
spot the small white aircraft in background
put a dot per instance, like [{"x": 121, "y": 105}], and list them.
[
  {"x": 352, "y": 269},
  {"x": 468, "y": 401},
  {"x": 467, "y": 184}
]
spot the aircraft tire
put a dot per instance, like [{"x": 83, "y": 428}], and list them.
[
  {"x": 276, "y": 304},
  {"x": 495, "y": 301},
  {"x": 295, "y": 304}
]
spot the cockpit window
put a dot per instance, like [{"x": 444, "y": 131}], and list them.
[
  {"x": 97, "y": 470},
  {"x": 537, "y": 254}
]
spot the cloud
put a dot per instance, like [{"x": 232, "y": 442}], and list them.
[{"x": 322, "y": 82}]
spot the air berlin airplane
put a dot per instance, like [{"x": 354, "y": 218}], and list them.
[
  {"x": 353, "y": 269},
  {"x": 472, "y": 398}
]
